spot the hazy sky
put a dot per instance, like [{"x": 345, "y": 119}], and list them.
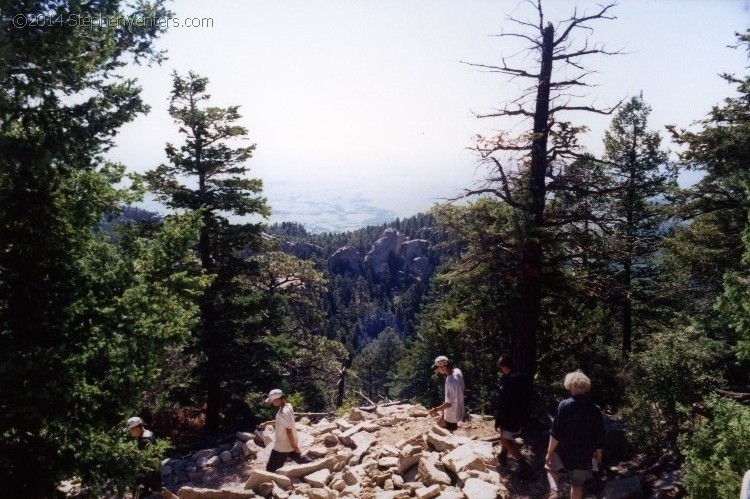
[{"x": 368, "y": 101}]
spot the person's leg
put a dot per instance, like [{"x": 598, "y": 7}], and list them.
[
  {"x": 510, "y": 446},
  {"x": 577, "y": 479},
  {"x": 451, "y": 426},
  {"x": 276, "y": 460},
  {"x": 553, "y": 478},
  {"x": 553, "y": 473},
  {"x": 299, "y": 458}
]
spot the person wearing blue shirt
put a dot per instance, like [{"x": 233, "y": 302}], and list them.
[{"x": 577, "y": 437}]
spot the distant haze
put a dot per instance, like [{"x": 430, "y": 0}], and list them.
[{"x": 362, "y": 111}]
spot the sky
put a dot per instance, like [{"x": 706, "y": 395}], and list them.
[{"x": 364, "y": 111}]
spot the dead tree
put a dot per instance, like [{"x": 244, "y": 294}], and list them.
[{"x": 523, "y": 168}]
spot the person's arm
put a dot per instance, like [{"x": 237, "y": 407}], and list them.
[
  {"x": 449, "y": 395},
  {"x": 439, "y": 408},
  {"x": 270, "y": 422},
  {"x": 292, "y": 441}
]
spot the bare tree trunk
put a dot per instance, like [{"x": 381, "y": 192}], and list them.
[{"x": 529, "y": 311}]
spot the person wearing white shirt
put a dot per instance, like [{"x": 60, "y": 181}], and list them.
[
  {"x": 286, "y": 443},
  {"x": 453, "y": 406}
]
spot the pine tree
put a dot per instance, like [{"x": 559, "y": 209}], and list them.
[
  {"x": 643, "y": 178},
  {"x": 84, "y": 322},
  {"x": 208, "y": 174}
]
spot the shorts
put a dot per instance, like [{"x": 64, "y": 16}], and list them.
[
  {"x": 577, "y": 477},
  {"x": 277, "y": 459},
  {"x": 451, "y": 426},
  {"x": 509, "y": 435}
]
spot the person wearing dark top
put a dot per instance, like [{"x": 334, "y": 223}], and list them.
[
  {"x": 576, "y": 438},
  {"x": 151, "y": 483},
  {"x": 512, "y": 407}
]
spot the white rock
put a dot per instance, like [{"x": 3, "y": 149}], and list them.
[
  {"x": 318, "y": 479},
  {"x": 258, "y": 477},
  {"x": 343, "y": 424},
  {"x": 475, "y": 488},
  {"x": 428, "y": 492},
  {"x": 300, "y": 470},
  {"x": 430, "y": 474},
  {"x": 388, "y": 462},
  {"x": 476, "y": 455}
]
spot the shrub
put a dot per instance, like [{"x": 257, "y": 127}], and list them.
[
  {"x": 663, "y": 383},
  {"x": 717, "y": 454}
]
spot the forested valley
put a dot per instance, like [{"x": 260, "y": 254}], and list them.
[{"x": 565, "y": 259}]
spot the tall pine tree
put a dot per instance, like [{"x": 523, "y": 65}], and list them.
[
  {"x": 208, "y": 174},
  {"x": 643, "y": 178}
]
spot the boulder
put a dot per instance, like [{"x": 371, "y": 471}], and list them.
[
  {"x": 357, "y": 414},
  {"x": 250, "y": 450},
  {"x": 345, "y": 438},
  {"x": 318, "y": 479},
  {"x": 453, "y": 493},
  {"x": 203, "y": 453},
  {"x": 427, "y": 492},
  {"x": 225, "y": 456},
  {"x": 244, "y": 436},
  {"x": 196, "y": 493},
  {"x": 474, "y": 488},
  {"x": 414, "y": 248},
  {"x": 261, "y": 476},
  {"x": 301, "y": 470},
  {"x": 362, "y": 442},
  {"x": 405, "y": 463},
  {"x": 317, "y": 451},
  {"x": 430, "y": 474},
  {"x": 382, "y": 249},
  {"x": 319, "y": 429},
  {"x": 443, "y": 443},
  {"x": 370, "y": 426},
  {"x": 345, "y": 259},
  {"x": 388, "y": 462},
  {"x": 476, "y": 455}
]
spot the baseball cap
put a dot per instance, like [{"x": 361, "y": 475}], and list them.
[
  {"x": 274, "y": 394},
  {"x": 442, "y": 360},
  {"x": 133, "y": 422}
]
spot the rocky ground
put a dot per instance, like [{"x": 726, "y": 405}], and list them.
[{"x": 391, "y": 451}]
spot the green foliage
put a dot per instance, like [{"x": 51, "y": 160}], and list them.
[
  {"x": 114, "y": 461},
  {"x": 207, "y": 174},
  {"x": 84, "y": 322},
  {"x": 717, "y": 454},
  {"x": 374, "y": 364},
  {"x": 663, "y": 383}
]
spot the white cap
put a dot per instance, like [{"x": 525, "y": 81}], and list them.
[
  {"x": 274, "y": 394},
  {"x": 442, "y": 360},
  {"x": 133, "y": 422}
]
